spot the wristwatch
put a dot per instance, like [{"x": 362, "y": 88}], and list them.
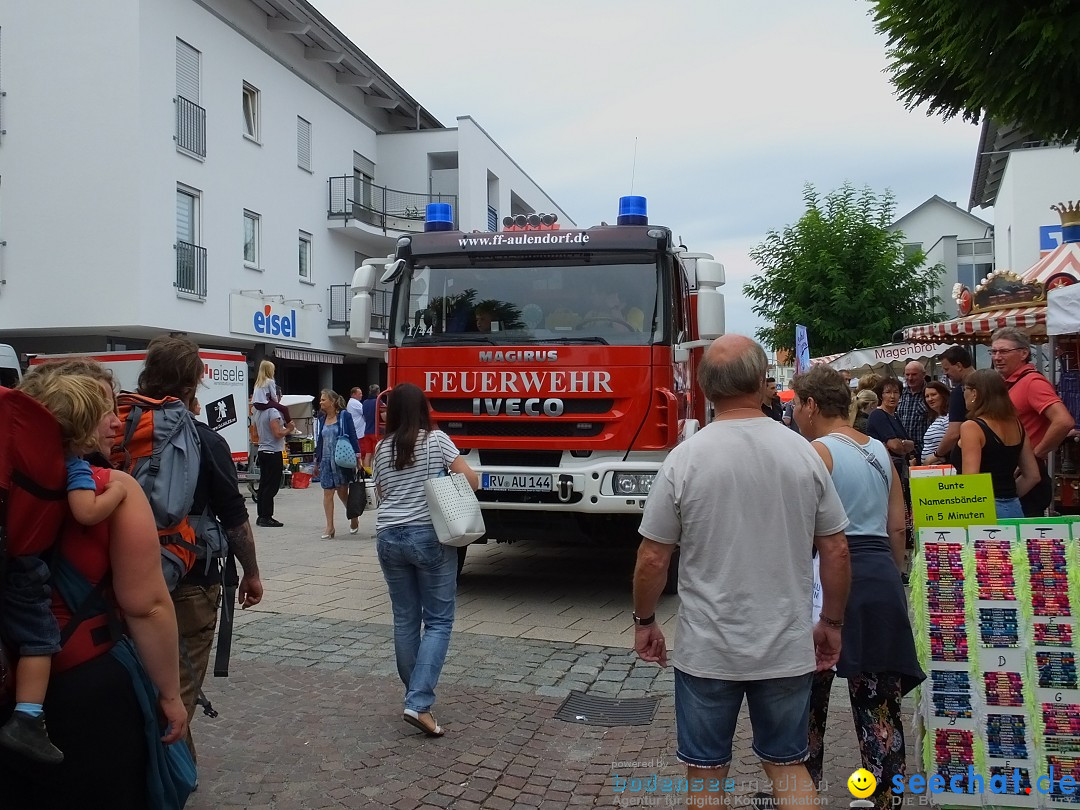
[{"x": 644, "y": 621}]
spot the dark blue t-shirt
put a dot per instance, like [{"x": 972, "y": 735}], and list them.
[
  {"x": 368, "y": 406},
  {"x": 957, "y": 414}
]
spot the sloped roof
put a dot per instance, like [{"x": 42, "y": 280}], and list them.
[
  {"x": 995, "y": 143},
  {"x": 323, "y": 42},
  {"x": 938, "y": 200}
]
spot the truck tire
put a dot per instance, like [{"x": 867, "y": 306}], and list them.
[{"x": 671, "y": 585}]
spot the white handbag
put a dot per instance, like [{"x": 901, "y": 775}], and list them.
[{"x": 455, "y": 511}]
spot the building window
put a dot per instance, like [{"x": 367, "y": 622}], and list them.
[
  {"x": 187, "y": 215},
  {"x": 304, "y": 266},
  {"x": 974, "y": 260},
  {"x": 251, "y": 112},
  {"x": 303, "y": 144},
  {"x": 190, "y": 256},
  {"x": 911, "y": 248},
  {"x": 190, "y": 132},
  {"x": 251, "y": 240}
]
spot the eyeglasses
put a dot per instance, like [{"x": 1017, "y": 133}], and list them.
[{"x": 1006, "y": 351}]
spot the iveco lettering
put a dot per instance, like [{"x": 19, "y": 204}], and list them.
[{"x": 560, "y": 359}]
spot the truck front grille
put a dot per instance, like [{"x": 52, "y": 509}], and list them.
[
  {"x": 571, "y": 407},
  {"x": 485, "y": 496},
  {"x": 521, "y": 429},
  {"x": 520, "y": 458}
]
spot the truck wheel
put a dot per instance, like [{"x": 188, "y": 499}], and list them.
[
  {"x": 461, "y": 559},
  {"x": 671, "y": 585}
]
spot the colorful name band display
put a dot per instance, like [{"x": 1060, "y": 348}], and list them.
[{"x": 998, "y": 716}]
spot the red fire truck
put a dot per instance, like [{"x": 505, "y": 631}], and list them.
[{"x": 561, "y": 361}]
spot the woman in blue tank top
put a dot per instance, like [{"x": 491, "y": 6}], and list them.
[{"x": 877, "y": 653}]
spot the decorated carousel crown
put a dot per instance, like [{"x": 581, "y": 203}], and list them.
[{"x": 1069, "y": 213}]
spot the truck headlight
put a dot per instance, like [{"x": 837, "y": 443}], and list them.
[{"x": 632, "y": 483}]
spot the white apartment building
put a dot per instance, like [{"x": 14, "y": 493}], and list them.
[
  {"x": 202, "y": 166},
  {"x": 952, "y": 237},
  {"x": 1021, "y": 177}
]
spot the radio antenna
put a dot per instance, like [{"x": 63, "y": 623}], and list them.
[{"x": 633, "y": 170}]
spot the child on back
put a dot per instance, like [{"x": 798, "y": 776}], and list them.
[
  {"x": 265, "y": 395},
  {"x": 79, "y": 404}
]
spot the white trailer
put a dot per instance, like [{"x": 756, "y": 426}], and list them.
[
  {"x": 223, "y": 394},
  {"x": 10, "y": 373}
]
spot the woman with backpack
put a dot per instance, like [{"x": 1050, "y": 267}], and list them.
[
  {"x": 332, "y": 466},
  {"x": 91, "y": 704},
  {"x": 420, "y": 572}
]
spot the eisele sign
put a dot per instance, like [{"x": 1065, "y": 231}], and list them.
[{"x": 269, "y": 321}]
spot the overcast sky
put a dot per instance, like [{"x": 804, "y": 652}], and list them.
[{"x": 735, "y": 106}]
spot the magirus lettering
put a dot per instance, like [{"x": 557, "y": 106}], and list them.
[{"x": 520, "y": 356}]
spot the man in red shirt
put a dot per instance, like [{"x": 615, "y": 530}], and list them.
[{"x": 1044, "y": 416}]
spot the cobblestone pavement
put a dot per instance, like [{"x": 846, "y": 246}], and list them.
[{"x": 311, "y": 714}]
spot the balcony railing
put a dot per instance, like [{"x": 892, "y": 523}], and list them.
[
  {"x": 190, "y": 269},
  {"x": 341, "y": 308},
  {"x": 190, "y": 127},
  {"x": 350, "y": 198}
]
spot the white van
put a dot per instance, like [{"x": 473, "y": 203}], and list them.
[{"x": 10, "y": 373}]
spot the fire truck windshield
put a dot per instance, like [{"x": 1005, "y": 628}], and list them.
[{"x": 617, "y": 303}]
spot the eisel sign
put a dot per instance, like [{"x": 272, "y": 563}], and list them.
[{"x": 271, "y": 322}]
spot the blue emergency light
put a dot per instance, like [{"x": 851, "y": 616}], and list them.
[
  {"x": 439, "y": 217},
  {"x": 632, "y": 211}
]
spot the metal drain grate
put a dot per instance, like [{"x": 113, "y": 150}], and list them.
[{"x": 598, "y": 710}]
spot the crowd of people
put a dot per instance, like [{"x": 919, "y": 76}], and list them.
[
  {"x": 780, "y": 597},
  {"x": 777, "y": 597},
  {"x": 92, "y": 700}
]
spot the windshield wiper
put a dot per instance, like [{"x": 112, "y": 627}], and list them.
[
  {"x": 465, "y": 337},
  {"x": 583, "y": 339}
]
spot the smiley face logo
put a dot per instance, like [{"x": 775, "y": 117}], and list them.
[{"x": 861, "y": 783}]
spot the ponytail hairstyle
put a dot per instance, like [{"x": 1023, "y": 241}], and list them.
[
  {"x": 173, "y": 368},
  {"x": 991, "y": 396},
  {"x": 335, "y": 398},
  {"x": 407, "y": 413}
]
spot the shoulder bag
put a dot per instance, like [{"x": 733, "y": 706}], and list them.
[
  {"x": 871, "y": 459},
  {"x": 344, "y": 455},
  {"x": 356, "y": 502},
  {"x": 452, "y": 504}
]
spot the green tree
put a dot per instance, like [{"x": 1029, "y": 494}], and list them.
[
  {"x": 841, "y": 273},
  {"x": 1014, "y": 60}
]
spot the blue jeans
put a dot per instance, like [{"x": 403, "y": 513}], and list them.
[
  {"x": 421, "y": 575},
  {"x": 1008, "y": 508},
  {"x": 707, "y": 709}
]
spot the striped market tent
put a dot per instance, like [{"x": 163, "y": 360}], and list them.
[{"x": 1061, "y": 267}]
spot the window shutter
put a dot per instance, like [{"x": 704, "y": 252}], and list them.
[
  {"x": 185, "y": 217},
  {"x": 363, "y": 165},
  {"x": 303, "y": 143},
  {"x": 187, "y": 72}
]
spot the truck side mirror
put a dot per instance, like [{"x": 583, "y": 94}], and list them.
[
  {"x": 363, "y": 282},
  {"x": 710, "y": 301}
]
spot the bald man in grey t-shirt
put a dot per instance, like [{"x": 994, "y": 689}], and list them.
[{"x": 747, "y": 501}]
